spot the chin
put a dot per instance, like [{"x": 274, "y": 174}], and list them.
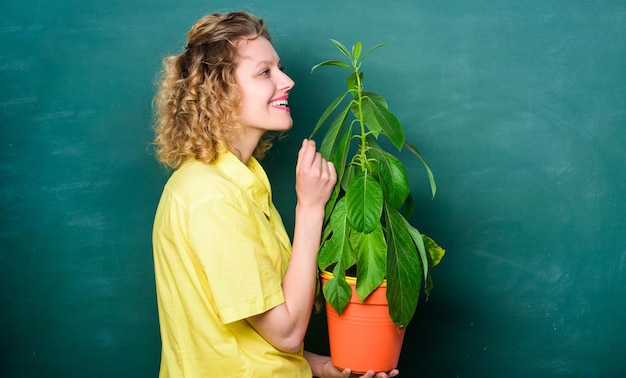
[{"x": 286, "y": 127}]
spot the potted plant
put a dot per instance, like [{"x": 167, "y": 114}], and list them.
[{"x": 367, "y": 239}]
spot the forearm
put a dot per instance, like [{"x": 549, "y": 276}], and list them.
[
  {"x": 316, "y": 362},
  {"x": 285, "y": 325},
  {"x": 301, "y": 277}
]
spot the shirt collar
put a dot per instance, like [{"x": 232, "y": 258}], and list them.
[{"x": 251, "y": 178}]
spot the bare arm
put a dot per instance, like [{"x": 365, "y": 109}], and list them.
[{"x": 284, "y": 326}]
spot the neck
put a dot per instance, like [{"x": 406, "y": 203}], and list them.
[
  {"x": 244, "y": 147},
  {"x": 244, "y": 157}
]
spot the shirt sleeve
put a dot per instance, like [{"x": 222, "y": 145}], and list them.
[{"x": 234, "y": 245}]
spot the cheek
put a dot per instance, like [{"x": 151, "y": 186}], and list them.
[
  {"x": 247, "y": 106},
  {"x": 257, "y": 96}
]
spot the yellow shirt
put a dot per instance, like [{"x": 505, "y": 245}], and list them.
[{"x": 220, "y": 253}]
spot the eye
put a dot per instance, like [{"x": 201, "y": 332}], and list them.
[{"x": 265, "y": 72}]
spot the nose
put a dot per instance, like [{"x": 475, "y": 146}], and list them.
[{"x": 285, "y": 82}]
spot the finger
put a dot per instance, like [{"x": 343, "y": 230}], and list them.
[
  {"x": 317, "y": 163},
  {"x": 300, "y": 153},
  {"x": 306, "y": 154},
  {"x": 324, "y": 167},
  {"x": 392, "y": 373},
  {"x": 332, "y": 171},
  {"x": 346, "y": 373}
]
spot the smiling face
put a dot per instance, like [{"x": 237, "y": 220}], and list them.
[{"x": 264, "y": 89}]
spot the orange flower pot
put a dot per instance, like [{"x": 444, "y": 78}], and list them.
[{"x": 363, "y": 337}]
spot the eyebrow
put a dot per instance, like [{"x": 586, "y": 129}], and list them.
[{"x": 267, "y": 63}]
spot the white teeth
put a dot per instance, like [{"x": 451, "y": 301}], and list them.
[{"x": 279, "y": 103}]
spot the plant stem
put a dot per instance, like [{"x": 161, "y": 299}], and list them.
[{"x": 362, "y": 148}]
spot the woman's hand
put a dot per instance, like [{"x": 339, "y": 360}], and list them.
[
  {"x": 315, "y": 177},
  {"x": 332, "y": 372},
  {"x": 323, "y": 367}
]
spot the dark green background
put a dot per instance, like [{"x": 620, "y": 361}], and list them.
[{"x": 519, "y": 106}]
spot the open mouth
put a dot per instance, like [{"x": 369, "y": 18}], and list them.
[{"x": 281, "y": 102}]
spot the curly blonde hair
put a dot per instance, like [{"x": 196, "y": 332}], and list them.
[{"x": 198, "y": 99}]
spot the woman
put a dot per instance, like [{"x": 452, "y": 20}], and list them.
[{"x": 234, "y": 296}]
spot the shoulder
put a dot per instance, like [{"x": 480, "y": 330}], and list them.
[{"x": 196, "y": 182}]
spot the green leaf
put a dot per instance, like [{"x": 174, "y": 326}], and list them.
[
  {"x": 377, "y": 117},
  {"x": 326, "y": 232},
  {"x": 348, "y": 175},
  {"x": 376, "y": 98},
  {"x": 393, "y": 178},
  {"x": 435, "y": 252},
  {"x": 332, "y": 250},
  {"x": 371, "y": 260},
  {"x": 342, "y": 48},
  {"x": 356, "y": 51},
  {"x": 373, "y": 127},
  {"x": 403, "y": 269},
  {"x": 419, "y": 243},
  {"x": 431, "y": 178},
  {"x": 339, "y": 158},
  {"x": 331, "y": 108},
  {"x": 330, "y": 205},
  {"x": 331, "y": 139},
  {"x": 340, "y": 155},
  {"x": 409, "y": 206},
  {"x": 428, "y": 286},
  {"x": 337, "y": 63},
  {"x": 369, "y": 115},
  {"x": 337, "y": 249},
  {"x": 389, "y": 123},
  {"x": 337, "y": 292},
  {"x": 364, "y": 202},
  {"x": 370, "y": 50},
  {"x": 352, "y": 83}
]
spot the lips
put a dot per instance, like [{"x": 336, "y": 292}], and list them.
[{"x": 280, "y": 102}]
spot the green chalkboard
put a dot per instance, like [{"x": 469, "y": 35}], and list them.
[{"x": 519, "y": 107}]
